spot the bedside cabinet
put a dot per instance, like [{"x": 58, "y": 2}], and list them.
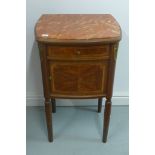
[{"x": 78, "y": 55}]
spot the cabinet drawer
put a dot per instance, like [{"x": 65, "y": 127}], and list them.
[{"x": 91, "y": 52}]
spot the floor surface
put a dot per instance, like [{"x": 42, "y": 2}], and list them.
[{"x": 77, "y": 131}]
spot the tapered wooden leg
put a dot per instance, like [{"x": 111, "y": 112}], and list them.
[
  {"x": 107, "y": 112},
  {"x": 53, "y": 105},
  {"x": 99, "y": 104},
  {"x": 48, "y": 112}
]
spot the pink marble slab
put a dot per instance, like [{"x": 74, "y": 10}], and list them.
[{"x": 77, "y": 27}]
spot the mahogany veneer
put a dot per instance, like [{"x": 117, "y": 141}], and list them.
[{"x": 78, "y": 55}]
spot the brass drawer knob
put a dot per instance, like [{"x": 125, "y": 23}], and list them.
[{"x": 78, "y": 52}]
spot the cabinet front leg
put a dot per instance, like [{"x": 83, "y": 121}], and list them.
[
  {"x": 48, "y": 113},
  {"x": 99, "y": 105},
  {"x": 53, "y": 105},
  {"x": 107, "y": 112}
]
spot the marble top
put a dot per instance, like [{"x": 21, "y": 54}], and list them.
[{"x": 77, "y": 27}]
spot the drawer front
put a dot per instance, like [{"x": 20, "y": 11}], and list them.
[
  {"x": 78, "y": 79},
  {"x": 91, "y": 52}
]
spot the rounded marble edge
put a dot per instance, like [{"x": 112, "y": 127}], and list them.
[{"x": 67, "y": 41}]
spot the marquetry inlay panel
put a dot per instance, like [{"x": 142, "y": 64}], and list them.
[{"x": 78, "y": 78}]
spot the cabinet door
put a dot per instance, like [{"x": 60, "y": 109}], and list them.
[{"x": 78, "y": 80}]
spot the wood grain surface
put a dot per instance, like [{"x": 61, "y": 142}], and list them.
[{"x": 80, "y": 79}]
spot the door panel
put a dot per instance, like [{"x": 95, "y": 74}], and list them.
[
  {"x": 78, "y": 79},
  {"x": 65, "y": 78}
]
